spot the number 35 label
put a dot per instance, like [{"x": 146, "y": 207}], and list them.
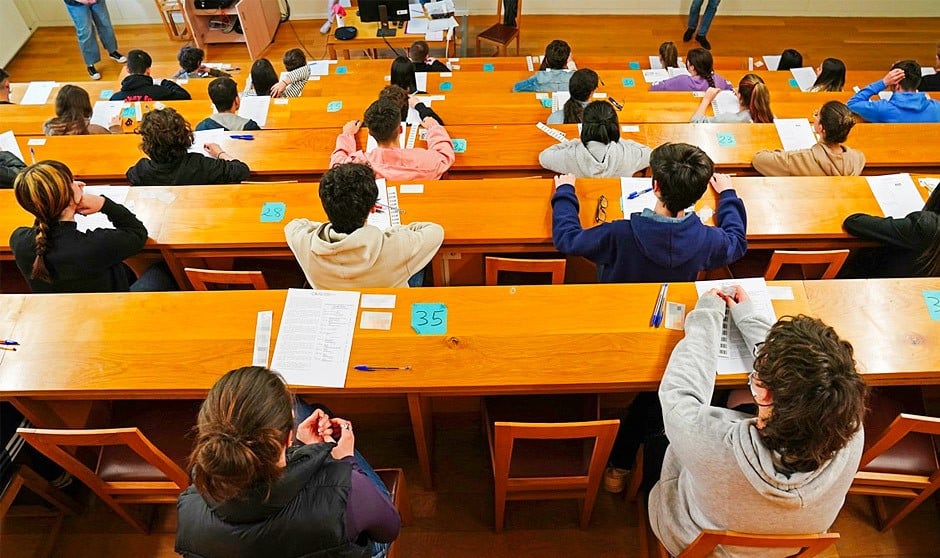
[
  {"x": 429, "y": 318},
  {"x": 932, "y": 298}
]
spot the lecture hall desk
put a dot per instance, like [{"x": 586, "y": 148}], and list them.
[{"x": 176, "y": 345}]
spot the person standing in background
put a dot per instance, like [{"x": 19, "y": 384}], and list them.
[
  {"x": 694, "y": 11},
  {"x": 88, "y": 15}
]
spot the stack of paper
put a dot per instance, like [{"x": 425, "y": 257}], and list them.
[
  {"x": 655, "y": 76},
  {"x": 559, "y": 98},
  {"x": 255, "y": 108},
  {"x": 795, "y": 133},
  {"x": 735, "y": 355},
  {"x": 726, "y": 103},
  {"x": 896, "y": 194},
  {"x": 37, "y": 93},
  {"x": 680, "y": 71}
]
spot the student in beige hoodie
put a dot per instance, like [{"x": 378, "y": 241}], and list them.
[
  {"x": 347, "y": 252},
  {"x": 829, "y": 157}
]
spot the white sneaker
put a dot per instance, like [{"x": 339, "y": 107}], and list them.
[
  {"x": 325, "y": 28},
  {"x": 93, "y": 72}
]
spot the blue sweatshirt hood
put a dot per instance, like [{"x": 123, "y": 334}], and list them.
[
  {"x": 910, "y": 101},
  {"x": 667, "y": 244}
]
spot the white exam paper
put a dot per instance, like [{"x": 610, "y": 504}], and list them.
[
  {"x": 681, "y": 71},
  {"x": 117, "y": 194},
  {"x": 628, "y": 185},
  {"x": 805, "y": 77},
  {"x": 262, "y": 338},
  {"x": 655, "y": 76},
  {"x": 896, "y": 194},
  {"x": 315, "y": 337},
  {"x": 421, "y": 81},
  {"x": 319, "y": 67},
  {"x": 105, "y": 111},
  {"x": 734, "y": 354},
  {"x": 37, "y": 93},
  {"x": 417, "y": 26},
  {"x": 725, "y": 102},
  {"x": 772, "y": 61},
  {"x": 378, "y": 301},
  {"x": 8, "y": 143},
  {"x": 255, "y": 108},
  {"x": 655, "y": 62},
  {"x": 795, "y": 133},
  {"x": 202, "y": 137},
  {"x": 559, "y": 98}
]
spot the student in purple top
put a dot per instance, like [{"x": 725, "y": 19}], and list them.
[{"x": 701, "y": 76}]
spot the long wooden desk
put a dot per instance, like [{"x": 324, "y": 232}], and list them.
[
  {"x": 176, "y": 345},
  {"x": 497, "y": 150},
  {"x": 478, "y": 216}
]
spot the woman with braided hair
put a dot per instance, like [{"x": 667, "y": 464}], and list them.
[{"x": 55, "y": 257}]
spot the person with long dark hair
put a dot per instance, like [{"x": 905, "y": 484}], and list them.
[
  {"x": 402, "y": 74},
  {"x": 73, "y": 115},
  {"x": 830, "y": 76},
  {"x": 753, "y": 100},
  {"x": 701, "y": 66},
  {"x": 582, "y": 86}
]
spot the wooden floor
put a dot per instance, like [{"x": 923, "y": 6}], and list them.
[
  {"x": 863, "y": 43},
  {"x": 455, "y": 520}
]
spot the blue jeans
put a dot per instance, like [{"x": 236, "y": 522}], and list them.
[
  {"x": 302, "y": 410},
  {"x": 86, "y": 19},
  {"x": 156, "y": 278},
  {"x": 706, "y": 19}
]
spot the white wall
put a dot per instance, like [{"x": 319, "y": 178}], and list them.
[
  {"x": 50, "y": 13},
  {"x": 14, "y": 31}
]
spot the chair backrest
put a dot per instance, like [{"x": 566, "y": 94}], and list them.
[
  {"x": 199, "y": 278},
  {"x": 833, "y": 259},
  {"x": 707, "y": 540},
  {"x": 495, "y": 265},
  {"x": 53, "y": 444}
]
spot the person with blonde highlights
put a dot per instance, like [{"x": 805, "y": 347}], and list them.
[
  {"x": 753, "y": 97},
  {"x": 55, "y": 257},
  {"x": 265, "y": 480}
]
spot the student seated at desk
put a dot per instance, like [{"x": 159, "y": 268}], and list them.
[
  {"x": 261, "y": 80},
  {"x": 398, "y": 96},
  {"x": 790, "y": 58},
  {"x": 830, "y": 76},
  {"x": 664, "y": 243},
  {"x": 139, "y": 86},
  {"x": 669, "y": 55},
  {"x": 190, "y": 59},
  {"x": 55, "y": 257},
  {"x": 73, "y": 115},
  {"x": 910, "y": 246},
  {"x": 927, "y": 83},
  {"x": 784, "y": 471},
  {"x": 906, "y": 103},
  {"x": 553, "y": 74},
  {"x": 347, "y": 252},
  {"x": 701, "y": 66},
  {"x": 390, "y": 161},
  {"x": 10, "y": 166},
  {"x": 224, "y": 95},
  {"x": 829, "y": 157},
  {"x": 402, "y": 74},
  {"x": 753, "y": 100},
  {"x": 600, "y": 152},
  {"x": 267, "y": 475},
  {"x": 292, "y": 82},
  {"x": 5, "y": 88},
  {"x": 581, "y": 86},
  {"x": 166, "y": 138},
  {"x": 419, "y": 54}
]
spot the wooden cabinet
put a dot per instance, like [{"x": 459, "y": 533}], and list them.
[{"x": 259, "y": 20}]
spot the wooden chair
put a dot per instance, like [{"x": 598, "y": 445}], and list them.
[
  {"x": 175, "y": 30},
  {"x": 552, "y": 460},
  {"x": 810, "y": 545},
  {"x": 900, "y": 460},
  {"x": 199, "y": 278},
  {"x": 394, "y": 480},
  {"x": 494, "y": 265},
  {"x": 63, "y": 504},
  {"x": 501, "y": 32},
  {"x": 833, "y": 259},
  {"x": 130, "y": 465}
]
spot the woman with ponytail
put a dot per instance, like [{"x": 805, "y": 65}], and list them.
[
  {"x": 753, "y": 97},
  {"x": 581, "y": 86},
  {"x": 910, "y": 246},
  {"x": 55, "y": 257},
  {"x": 829, "y": 157},
  {"x": 600, "y": 152},
  {"x": 268, "y": 483},
  {"x": 701, "y": 76}
]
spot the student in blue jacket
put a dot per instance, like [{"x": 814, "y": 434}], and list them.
[
  {"x": 906, "y": 103},
  {"x": 661, "y": 244}
]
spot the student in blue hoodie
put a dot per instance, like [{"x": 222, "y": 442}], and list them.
[
  {"x": 553, "y": 74},
  {"x": 661, "y": 244},
  {"x": 906, "y": 103}
]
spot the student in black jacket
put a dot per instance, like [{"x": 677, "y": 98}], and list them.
[
  {"x": 139, "y": 86},
  {"x": 932, "y": 82},
  {"x": 55, "y": 257},
  {"x": 167, "y": 137},
  {"x": 423, "y": 63},
  {"x": 10, "y": 166}
]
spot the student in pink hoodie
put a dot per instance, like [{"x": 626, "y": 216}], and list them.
[{"x": 389, "y": 160}]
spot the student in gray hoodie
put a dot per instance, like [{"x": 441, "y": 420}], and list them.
[
  {"x": 785, "y": 471},
  {"x": 600, "y": 152}
]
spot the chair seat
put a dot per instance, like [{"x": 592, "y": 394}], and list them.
[
  {"x": 499, "y": 33},
  {"x": 167, "y": 424},
  {"x": 915, "y": 453}
]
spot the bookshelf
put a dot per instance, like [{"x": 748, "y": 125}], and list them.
[{"x": 259, "y": 21}]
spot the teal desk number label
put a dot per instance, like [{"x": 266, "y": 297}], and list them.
[
  {"x": 429, "y": 318},
  {"x": 634, "y": 65},
  {"x": 273, "y": 212},
  {"x": 106, "y": 94},
  {"x": 546, "y": 103},
  {"x": 793, "y": 83},
  {"x": 726, "y": 139},
  {"x": 932, "y": 298},
  {"x": 334, "y": 106},
  {"x": 488, "y": 67},
  {"x": 340, "y": 70},
  {"x": 628, "y": 82},
  {"x": 446, "y": 86},
  {"x": 460, "y": 145}
]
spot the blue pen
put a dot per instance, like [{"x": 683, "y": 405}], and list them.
[
  {"x": 662, "y": 306},
  {"x": 243, "y": 136},
  {"x": 9, "y": 342},
  {"x": 635, "y": 195},
  {"x": 659, "y": 300},
  {"x": 367, "y": 368}
]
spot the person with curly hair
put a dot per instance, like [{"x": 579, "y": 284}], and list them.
[
  {"x": 73, "y": 115},
  {"x": 347, "y": 252},
  {"x": 191, "y": 66},
  {"x": 166, "y": 138}
]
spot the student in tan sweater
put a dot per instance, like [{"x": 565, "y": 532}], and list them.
[{"x": 829, "y": 157}]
